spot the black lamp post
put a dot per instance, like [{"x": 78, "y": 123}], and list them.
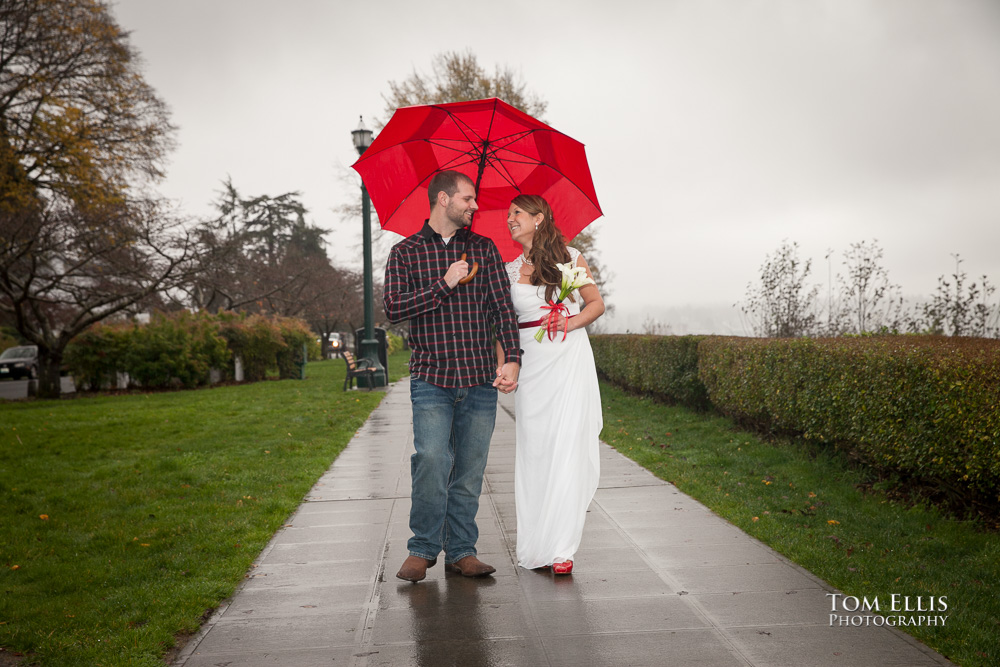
[{"x": 369, "y": 345}]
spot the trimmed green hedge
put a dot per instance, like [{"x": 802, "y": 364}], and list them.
[
  {"x": 928, "y": 407},
  {"x": 180, "y": 349},
  {"x": 255, "y": 339},
  {"x": 925, "y": 407},
  {"x": 662, "y": 366}
]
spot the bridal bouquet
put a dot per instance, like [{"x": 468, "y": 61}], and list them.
[{"x": 573, "y": 278}]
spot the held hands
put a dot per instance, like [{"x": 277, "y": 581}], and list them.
[{"x": 507, "y": 377}]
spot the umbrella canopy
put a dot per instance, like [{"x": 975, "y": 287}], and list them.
[{"x": 503, "y": 150}]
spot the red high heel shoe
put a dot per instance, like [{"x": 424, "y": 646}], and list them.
[{"x": 565, "y": 567}]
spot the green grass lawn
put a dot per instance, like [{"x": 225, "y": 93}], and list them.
[
  {"x": 125, "y": 518},
  {"x": 805, "y": 503}
]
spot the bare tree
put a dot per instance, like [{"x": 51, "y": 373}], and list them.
[
  {"x": 458, "y": 77},
  {"x": 653, "y": 327},
  {"x": 782, "y": 305},
  {"x": 258, "y": 255},
  {"x": 960, "y": 308},
  {"x": 586, "y": 243},
  {"x": 261, "y": 255},
  {"x": 338, "y": 306},
  {"x": 870, "y": 301},
  {"x": 62, "y": 270},
  {"x": 986, "y": 315},
  {"x": 81, "y": 135},
  {"x": 75, "y": 112}
]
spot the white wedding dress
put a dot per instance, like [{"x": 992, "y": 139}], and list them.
[{"x": 558, "y": 422}]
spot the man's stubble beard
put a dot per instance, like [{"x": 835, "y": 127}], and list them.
[{"x": 458, "y": 219}]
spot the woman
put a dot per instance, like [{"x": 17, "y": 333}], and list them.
[{"x": 557, "y": 403}]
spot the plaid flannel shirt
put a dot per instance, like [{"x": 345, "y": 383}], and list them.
[{"x": 451, "y": 330}]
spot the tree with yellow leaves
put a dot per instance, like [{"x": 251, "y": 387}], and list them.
[{"x": 82, "y": 136}]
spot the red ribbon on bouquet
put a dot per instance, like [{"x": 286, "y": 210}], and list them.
[{"x": 555, "y": 308}]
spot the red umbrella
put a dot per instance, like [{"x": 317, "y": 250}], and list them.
[{"x": 503, "y": 150}]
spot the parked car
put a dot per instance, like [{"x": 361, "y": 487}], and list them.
[
  {"x": 20, "y": 361},
  {"x": 336, "y": 345}
]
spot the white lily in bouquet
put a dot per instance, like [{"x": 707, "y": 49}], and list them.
[{"x": 573, "y": 278}]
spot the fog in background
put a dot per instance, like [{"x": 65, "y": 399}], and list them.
[{"x": 714, "y": 130}]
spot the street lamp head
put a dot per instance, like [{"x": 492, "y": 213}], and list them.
[{"x": 362, "y": 137}]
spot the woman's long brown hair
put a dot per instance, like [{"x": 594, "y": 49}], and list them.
[{"x": 548, "y": 247}]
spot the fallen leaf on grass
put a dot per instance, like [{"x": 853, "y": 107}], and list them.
[{"x": 43, "y": 517}]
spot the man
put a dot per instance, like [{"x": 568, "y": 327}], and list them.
[{"x": 453, "y": 373}]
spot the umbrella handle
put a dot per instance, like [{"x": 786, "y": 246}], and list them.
[{"x": 472, "y": 274}]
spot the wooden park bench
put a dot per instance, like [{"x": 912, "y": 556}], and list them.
[{"x": 357, "y": 368}]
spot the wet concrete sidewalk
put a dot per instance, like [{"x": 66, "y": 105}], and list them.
[{"x": 659, "y": 580}]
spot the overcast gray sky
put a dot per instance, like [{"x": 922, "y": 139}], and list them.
[{"x": 714, "y": 129}]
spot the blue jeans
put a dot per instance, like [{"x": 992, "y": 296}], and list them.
[{"x": 452, "y": 428}]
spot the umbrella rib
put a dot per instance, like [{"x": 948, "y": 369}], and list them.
[
  {"x": 504, "y": 173},
  {"x": 500, "y": 167},
  {"x": 472, "y": 154},
  {"x": 457, "y": 161},
  {"x": 463, "y": 126},
  {"x": 478, "y": 145},
  {"x": 511, "y": 138},
  {"x": 486, "y": 145},
  {"x": 499, "y": 164},
  {"x": 438, "y": 141}
]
